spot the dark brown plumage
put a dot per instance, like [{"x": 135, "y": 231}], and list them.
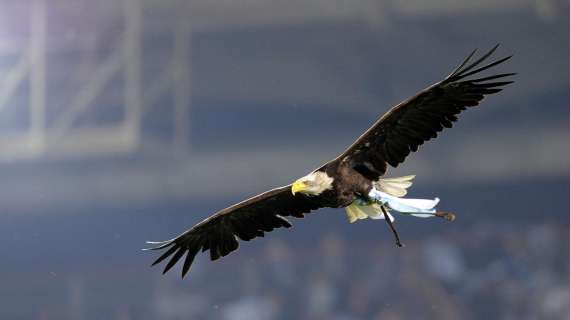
[
  {"x": 414, "y": 121},
  {"x": 246, "y": 220},
  {"x": 388, "y": 142}
]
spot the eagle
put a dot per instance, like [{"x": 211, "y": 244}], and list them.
[{"x": 355, "y": 179}]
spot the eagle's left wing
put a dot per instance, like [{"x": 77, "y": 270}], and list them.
[
  {"x": 245, "y": 220},
  {"x": 411, "y": 123}
]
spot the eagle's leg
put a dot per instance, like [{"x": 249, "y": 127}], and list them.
[{"x": 389, "y": 222}]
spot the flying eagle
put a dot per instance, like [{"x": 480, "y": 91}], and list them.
[{"x": 353, "y": 179}]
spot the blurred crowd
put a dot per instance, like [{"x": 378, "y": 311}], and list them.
[{"x": 489, "y": 270}]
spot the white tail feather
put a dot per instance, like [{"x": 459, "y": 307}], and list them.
[
  {"x": 395, "y": 186},
  {"x": 356, "y": 212}
]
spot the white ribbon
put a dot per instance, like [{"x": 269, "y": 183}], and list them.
[{"x": 422, "y": 208}]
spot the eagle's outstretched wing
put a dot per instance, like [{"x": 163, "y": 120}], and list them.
[
  {"x": 245, "y": 220},
  {"x": 411, "y": 123}
]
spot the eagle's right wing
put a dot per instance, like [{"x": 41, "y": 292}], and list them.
[{"x": 245, "y": 220}]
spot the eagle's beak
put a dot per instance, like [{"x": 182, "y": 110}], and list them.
[{"x": 297, "y": 186}]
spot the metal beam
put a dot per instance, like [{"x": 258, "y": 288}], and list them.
[
  {"x": 132, "y": 59},
  {"x": 14, "y": 78},
  {"x": 157, "y": 88},
  {"x": 181, "y": 82},
  {"x": 38, "y": 75},
  {"x": 102, "y": 75}
]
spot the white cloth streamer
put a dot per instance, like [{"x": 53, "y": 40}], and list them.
[{"x": 422, "y": 208}]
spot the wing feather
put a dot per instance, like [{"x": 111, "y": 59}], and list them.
[
  {"x": 246, "y": 220},
  {"x": 411, "y": 123}
]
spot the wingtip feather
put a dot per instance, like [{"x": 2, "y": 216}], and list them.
[
  {"x": 462, "y": 64},
  {"x": 464, "y": 71},
  {"x": 463, "y": 75},
  {"x": 164, "y": 255},
  {"x": 174, "y": 259},
  {"x": 159, "y": 244}
]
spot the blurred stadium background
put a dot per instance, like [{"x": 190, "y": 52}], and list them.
[{"x": 126, "y": 121}]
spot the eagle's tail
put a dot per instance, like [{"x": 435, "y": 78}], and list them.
[
  {"x": 395, "y": 186},
  {"x": 358, "y": 210}
]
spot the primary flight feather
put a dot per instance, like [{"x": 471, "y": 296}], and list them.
[{"x": 353, "y": 179}]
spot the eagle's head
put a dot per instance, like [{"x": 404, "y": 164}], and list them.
[{"x": 312, "y": 184}]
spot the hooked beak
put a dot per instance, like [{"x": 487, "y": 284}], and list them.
[{"x": 297, "y": 186}]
